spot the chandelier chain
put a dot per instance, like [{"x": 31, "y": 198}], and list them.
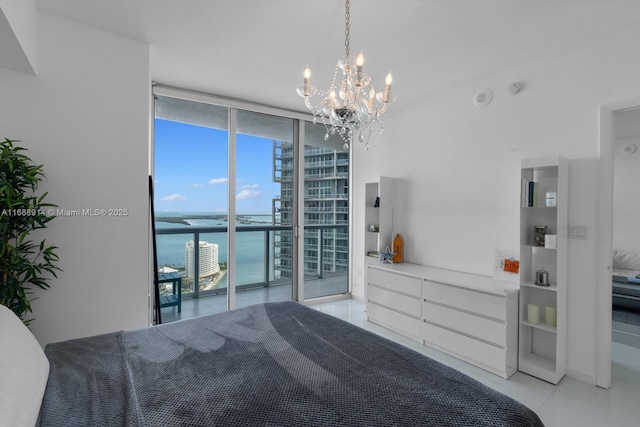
[{"x": 347, "y": 27}]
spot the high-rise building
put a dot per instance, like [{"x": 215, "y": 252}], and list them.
[
  {"x": 207, "y": 256},
  {"x": 326, "y": 202}
]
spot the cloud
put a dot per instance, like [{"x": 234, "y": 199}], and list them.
[
  {"x": 248, "y": 187},
  {"x": 196, "y": 185},
  {"x": 215, "y": 181},
  {"x": 248, "y": 194},
  {"x": 173, "y": 198}
]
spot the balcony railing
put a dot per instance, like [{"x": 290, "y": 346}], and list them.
[{"x": 264, "y": 252}]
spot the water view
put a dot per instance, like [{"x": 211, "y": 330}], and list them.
[{"x": 250, "y": 246}]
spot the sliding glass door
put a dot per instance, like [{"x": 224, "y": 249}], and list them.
[
  {"x": 264, "y": 193},
  {"x": 191, "y": 201},
  {"x": 326, "y": 213}
]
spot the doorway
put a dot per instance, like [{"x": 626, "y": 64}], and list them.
[
  {"x": 605, "y": 238},
  {"x": 625, "y": 230}
]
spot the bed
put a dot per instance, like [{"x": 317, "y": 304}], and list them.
[
  {"x": 625, "y": 280},
  {"x": 272, "y": 364}
]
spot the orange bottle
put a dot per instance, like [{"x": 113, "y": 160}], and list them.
[{"x": 398, "y": 244}]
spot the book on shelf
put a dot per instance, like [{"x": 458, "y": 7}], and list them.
[
  {"x": 530, "y": 190},
  {"x": 524, "y": 192}
]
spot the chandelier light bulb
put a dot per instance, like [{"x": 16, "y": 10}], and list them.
[
  {"x": 360, "y": 60},
  {"x": 307, "y": 74}
]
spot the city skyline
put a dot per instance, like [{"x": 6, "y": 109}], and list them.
[{"x": 191, "y": 170}]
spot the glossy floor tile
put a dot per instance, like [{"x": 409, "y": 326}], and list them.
[{"x": 570, "y": 403}]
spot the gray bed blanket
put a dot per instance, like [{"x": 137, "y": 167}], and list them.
[{"x": 273, "y": 364}]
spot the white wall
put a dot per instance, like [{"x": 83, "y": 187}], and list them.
[
  {"x": 626, "y": 196},
  {"x": 457, "y": 168},
  {"x": 85, "y": 116},
  {"x": 18, "y": 35}
]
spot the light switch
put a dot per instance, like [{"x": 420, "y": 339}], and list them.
[
  {"x": 575, "y": 232},
  {"x": 578, "y": 232},
  {"x": 583, "y": 231}
]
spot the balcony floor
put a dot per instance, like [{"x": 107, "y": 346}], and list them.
[{"x": 206, "y": 305}]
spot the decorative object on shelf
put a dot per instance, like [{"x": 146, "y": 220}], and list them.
[
  {"x": 511, "y": 265},
  {"x": 551, "y": 199},
  {"x": 507, "y": 265},
  {"x": 376, "y": 204},
  {"x": 542, "y": 277},
  {"x": 533, "y": 314},
  {"x": 351, "y": 104},
  {"x": 374, "y": 228},
  {"x": 539, "y": 231},
  {"x": 550, "y": 316},
  {"x": 551, "y": 241},
  {"x": 386, "y": 257},
  {"x": 374, "y": 254},
  {"x": 398, "y": 248}
]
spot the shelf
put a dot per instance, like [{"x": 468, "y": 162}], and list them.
[
  {"x": 538, "y": 247},
  {"x": 542, "y": 349},
  {"x": 376, "y": 239},
  {"x": 552, "y": 288},
  {"x": 540, "y": 326},
  {"x": 540, "y": 366}
]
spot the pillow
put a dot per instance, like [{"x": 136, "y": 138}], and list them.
[
  {"x": 626, "y": 260},
  {"x": 24, "y": 372}
]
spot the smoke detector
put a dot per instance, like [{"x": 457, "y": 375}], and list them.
[{"x": 483, "y": 98}]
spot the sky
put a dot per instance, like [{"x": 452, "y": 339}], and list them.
[{"x": 191, "y": 170}]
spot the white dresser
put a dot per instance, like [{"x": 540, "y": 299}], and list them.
[{"x": 471, "y": 317}]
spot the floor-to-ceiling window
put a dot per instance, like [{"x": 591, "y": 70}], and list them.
[
  {"x": 229, "y": 184},
  {"x": 191, "y": 198},
  {"x": 263, "y": 239},
  {"x": 326, "y": 213}
]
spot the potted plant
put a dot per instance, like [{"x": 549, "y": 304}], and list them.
[{"x": 23, "y": 262}]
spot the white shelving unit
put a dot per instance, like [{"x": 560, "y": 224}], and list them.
[
  {"x": 542, "y": 348},
  {"x": 381, "y": 216}
]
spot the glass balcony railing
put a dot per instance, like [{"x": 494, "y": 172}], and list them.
[{"x": 263, "y": 256}]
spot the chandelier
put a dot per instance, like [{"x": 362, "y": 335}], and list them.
[{"x": 351, "y": 106}]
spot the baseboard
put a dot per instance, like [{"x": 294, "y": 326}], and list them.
[
  {"x": 357, "y": 298},
  {"x": 580, "y": 375}
]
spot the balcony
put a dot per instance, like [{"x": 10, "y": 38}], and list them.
[
  {"x": 196, "y": 307},
  {"x": 263, "y": 264}
]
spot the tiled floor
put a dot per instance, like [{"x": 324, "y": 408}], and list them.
[{"x": 570, "y": 403}]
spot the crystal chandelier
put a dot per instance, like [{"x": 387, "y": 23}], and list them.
[{"x": 351, "y": 106}]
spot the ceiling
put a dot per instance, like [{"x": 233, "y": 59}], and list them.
[{"x": 257, "y": 49}]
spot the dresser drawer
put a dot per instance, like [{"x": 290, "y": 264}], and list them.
[
  {"x": 492, "y": 357},
  {"x": 399, "y": 302},
  {"x": 395, "y": 321},
  {"x": 480, "y": 327},
  {"x": 395, "y": 282},
  {"x": 485, "y": 304}
]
